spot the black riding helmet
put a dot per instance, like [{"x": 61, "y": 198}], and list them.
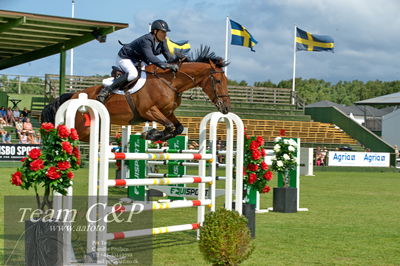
[{"x": 159, "y": 24}]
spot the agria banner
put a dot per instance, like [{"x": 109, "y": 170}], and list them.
[{"x": 341, "y": 158}]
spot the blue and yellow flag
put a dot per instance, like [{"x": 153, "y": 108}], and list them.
[
  {"x": 306, "y": 41},
  {"x": 241, "y": 36},
  {"x": 181, "y": 46}
]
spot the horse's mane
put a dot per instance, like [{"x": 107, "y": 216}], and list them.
[{"x": 203, "y": 55}]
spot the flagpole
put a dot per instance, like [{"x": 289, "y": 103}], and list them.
[
  {"x": 294, "y": 65},
  {"x": 71, "y": 69},
  {"x": 226, "y": 44}
]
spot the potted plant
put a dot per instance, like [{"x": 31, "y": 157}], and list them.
[
  {"x": 256, "y": 175},
  {"x": 225, "y": 238},
  {"x": 49, "y": 167},
  {"x": 285, "y": 160}
]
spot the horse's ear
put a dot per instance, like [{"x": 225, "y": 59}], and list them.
[{"x": 212, "y": 64}]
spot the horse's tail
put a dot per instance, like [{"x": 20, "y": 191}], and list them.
[{"x": 49, "y": 112}]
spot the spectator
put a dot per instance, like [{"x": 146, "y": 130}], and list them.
[
  {"x": 27, "y": 126},
  {"x": 193, "y": 145},
  {"x": 24, "y": 114},
  {"x": 38, "y": 139},
  {"x": 10, "y": 116},
  {"x": 23, "y": 139},
  {"x": 16, "y": 112},
  {"x": 318, "y": 156},
  {"x": 3, "y": 113},
  {"x": 6, "y": 137},
  {"x": 31, "y": 139},
  {"x": 3, "y": 123},
  {"x": 18, "y": 125}
]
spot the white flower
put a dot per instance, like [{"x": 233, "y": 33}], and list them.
[
  {"x": 277, "y": 139},
  {"x": 293, "y": 142},
  {"x": 273, "y": 158},
  {"x": 286, "y": 157},
  {"x": 286, "y": 141},
  {"x": 277, "y": 147},
  {"x": 279, "y": 163},
  {"x": 291, "y": 148}
]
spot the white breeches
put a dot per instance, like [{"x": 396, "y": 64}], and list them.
[{"x": 128, "y": 67}]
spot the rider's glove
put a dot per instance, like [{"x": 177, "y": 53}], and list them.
[{"x": 173, "y": 67}]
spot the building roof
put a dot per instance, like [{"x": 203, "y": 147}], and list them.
[
  {"x": 25, "y": 37},
  {"x": 353, "y": 109},
  {"x": 324, "y": 104},
  {"x": 389, "y": 99}
]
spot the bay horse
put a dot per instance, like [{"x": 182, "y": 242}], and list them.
[{"x": 159, "y": 97}]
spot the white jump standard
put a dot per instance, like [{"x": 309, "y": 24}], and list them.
[{"x": 100, "y": 155}]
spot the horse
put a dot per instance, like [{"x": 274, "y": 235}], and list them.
[{"x": 159, "y": 96}]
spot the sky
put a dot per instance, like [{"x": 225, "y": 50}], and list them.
[{"x": 366, "y": 35}]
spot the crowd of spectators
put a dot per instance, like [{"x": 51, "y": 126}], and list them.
[{"x": 21, "y": 124}]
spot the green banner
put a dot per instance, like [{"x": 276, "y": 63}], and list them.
[
  {"x": 177, "y": 143},
  {"x": 137, "y": 168}
]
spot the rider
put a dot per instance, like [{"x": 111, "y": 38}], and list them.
[{"x": 145, "y": 48}]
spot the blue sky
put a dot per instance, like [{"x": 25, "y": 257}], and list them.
[{"x": 365, "y": 33}]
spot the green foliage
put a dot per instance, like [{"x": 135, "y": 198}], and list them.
[
  {"x": 236, "y": 83},
  {"x": 343, "y": 92},
  {"x": 255, "y": 170},
  {"x": 266, "y": 84},
  {"x": 50, "y": 166},
  {"x": 225, "y": 238},
  {"x": 284, "y": 159}
]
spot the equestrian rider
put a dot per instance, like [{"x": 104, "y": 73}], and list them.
[{"x": 145, "y": 48}]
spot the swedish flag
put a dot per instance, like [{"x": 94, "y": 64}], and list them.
[
  {"x": 306, "y": 41},
  {"x": 241, "y": 36},
  {"x": 181, "y": 46}
]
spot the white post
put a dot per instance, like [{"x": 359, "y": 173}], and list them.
[
  {"x": 226, "y": 44},
  {"x": 126, "y": 133},
  {"x": 294, "y": 64}
]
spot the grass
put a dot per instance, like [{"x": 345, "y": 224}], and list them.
[{"x": 353, "y": 219}]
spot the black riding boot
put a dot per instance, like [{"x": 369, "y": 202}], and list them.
[{"x": 120, "y": 81}]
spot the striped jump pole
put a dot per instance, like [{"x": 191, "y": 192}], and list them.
[
  {"x": 155, "y": 205},
  {"x": 159, "y": 156},
  {"x": 152, "y": 231},
  {"x": 158, "y": 181},
  {"x": 169, "y": 150},
  {"x": 222, "y": 165}
]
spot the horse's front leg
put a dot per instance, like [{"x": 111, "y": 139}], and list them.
[
  {"x": 178, "y": 126},
  {"x": 154, "y": 114}
]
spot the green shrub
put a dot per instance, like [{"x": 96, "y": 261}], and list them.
[{"x": 225, "y": 238}]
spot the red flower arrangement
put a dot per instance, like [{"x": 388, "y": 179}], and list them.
[
  {"x": 50, "y": 166},
  {"x": 256, "y": 172}
]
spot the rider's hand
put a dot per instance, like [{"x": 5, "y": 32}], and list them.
[{"x": 173, "y": 67}]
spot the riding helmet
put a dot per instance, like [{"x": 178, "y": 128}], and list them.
[{"x": 159, "y": 24}]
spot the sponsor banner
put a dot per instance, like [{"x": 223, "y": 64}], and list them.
[
  {"x": 15, "y": 152},
  {"x": 374, "y": 159}
]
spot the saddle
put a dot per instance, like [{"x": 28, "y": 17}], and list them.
[{"x": 116, "y": 72}]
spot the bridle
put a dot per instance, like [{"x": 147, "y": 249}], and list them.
[{"x": 217, "y": 98}]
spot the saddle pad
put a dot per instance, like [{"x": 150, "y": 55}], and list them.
[{"x": 139, "y": 84}]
